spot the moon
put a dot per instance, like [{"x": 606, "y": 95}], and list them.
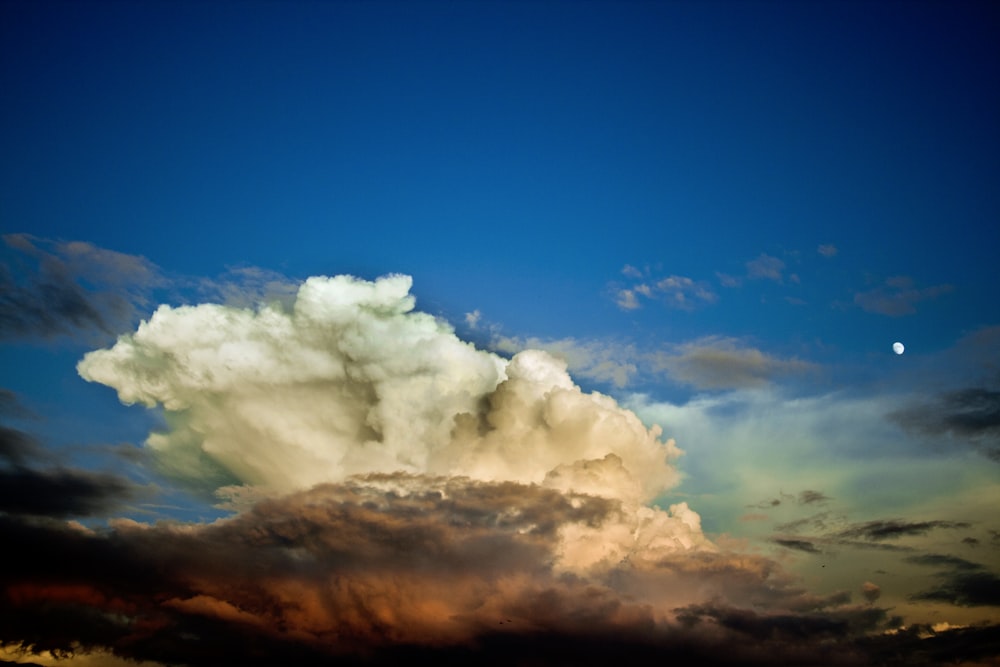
[{"x": 897, "y": 347}]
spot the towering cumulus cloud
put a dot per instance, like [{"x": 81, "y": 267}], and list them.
[{"x": 350, "y": 380}]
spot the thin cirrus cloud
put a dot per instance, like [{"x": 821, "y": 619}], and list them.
[{"x": 898, "y": 296}]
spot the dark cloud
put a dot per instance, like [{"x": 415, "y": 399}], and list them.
[
  {"x": 892, "y": 529},
  {"x": 971, "y": 414},
  {"x": 52, "y": 490},
  {"x": 941, "y": 560},
  {"x": 963, "y": 582},
  {"x": 808, "y": 497},
  {"x": 817, "y": 521},
  {"x": 17, "y": 447},
  {"x": 389, "y": 569},
  {"x": 54, "y": 288},
  {"x": 920, "y": 645},
  {"x": 61, "y": 492},
  {"x": 966, "y": 589},
  {"x": 798, "y": 545},
  {"x": 11, "y": 407}
]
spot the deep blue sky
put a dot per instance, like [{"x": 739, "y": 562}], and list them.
[
  {"x": 513, "y": 153},
  {"x": 721, "y": 214}
]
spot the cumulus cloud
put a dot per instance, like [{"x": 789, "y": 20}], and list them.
[
  {"x": 53, "y": 288},
  {"x": 351, "y": 380},
  {"x": 898, "y": 296}
]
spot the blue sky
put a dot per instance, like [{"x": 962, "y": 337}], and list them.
[{"x": 720, "y": 215}]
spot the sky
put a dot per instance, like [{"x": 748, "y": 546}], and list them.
[{"x": 502, "y": 333}]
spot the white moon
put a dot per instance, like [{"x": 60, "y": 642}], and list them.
[{"x": 898, "y": 348}]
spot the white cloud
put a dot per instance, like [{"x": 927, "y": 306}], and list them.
[
  {"x": 765, "y": 266},
  {"x": 674, "y": 291},
  {"x": 352, "y": 380},
  {"x": 626, "y": 299},
  {"x": 827, "y": 250}
]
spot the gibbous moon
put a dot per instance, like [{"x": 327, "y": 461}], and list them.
[{"x": 898, "y": 348}]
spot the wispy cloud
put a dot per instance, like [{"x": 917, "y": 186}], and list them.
[
  {"x": 603, "y": 361},
  {"x": 971, "y": 415},
  {"x": 673, "y": 291},
  {"x": 898, "y": 296},
  {"x": 797, "y": 544},
  {"x": 56, "y": 288},
  {"x": 33, "y": 483},
  {"x": 895, "y": 528},
  {"x": 706, "y": 363},
  {"x": 827, "y": 250},
  {"x": 717, "y": 362},
  {"x": 766, "y": 267}
]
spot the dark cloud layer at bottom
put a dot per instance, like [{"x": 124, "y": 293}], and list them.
[{"x": 393, "y": 568}]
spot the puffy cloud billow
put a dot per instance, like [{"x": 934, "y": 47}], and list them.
[{"x": 350, "y": 380}]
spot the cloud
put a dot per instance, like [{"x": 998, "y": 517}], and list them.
[
  {"x": 402, "y": 497},
  {"x": 894, "y": 528},
  {"x": 61, "y": 492},
  {"x": 55, "y": 288},
  {"x": 682, "y": 292},
  {"x": 827, "y": 250},
  {"x": 766, "y": 267},
  {"x": 723, "y": 363},
  {"x": 871, "y": 591},
  {"x": 797, "y": 544},
  {"x": 53, "y": 490},
  {"x": 381, "y": 568},
  {"x": 941, "y": 560},
  {"x": 897, "y": 296},
  {"x": 971, "y": 414},
  {"x": 602, "y": 361},
  {"x": 350, "y": 380},
  {"x": 808, "y": 497},
  {"x": 705, "y": 363},
  {"x": 965, "y": 589},
  {"x": 679, "y": 292}
]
